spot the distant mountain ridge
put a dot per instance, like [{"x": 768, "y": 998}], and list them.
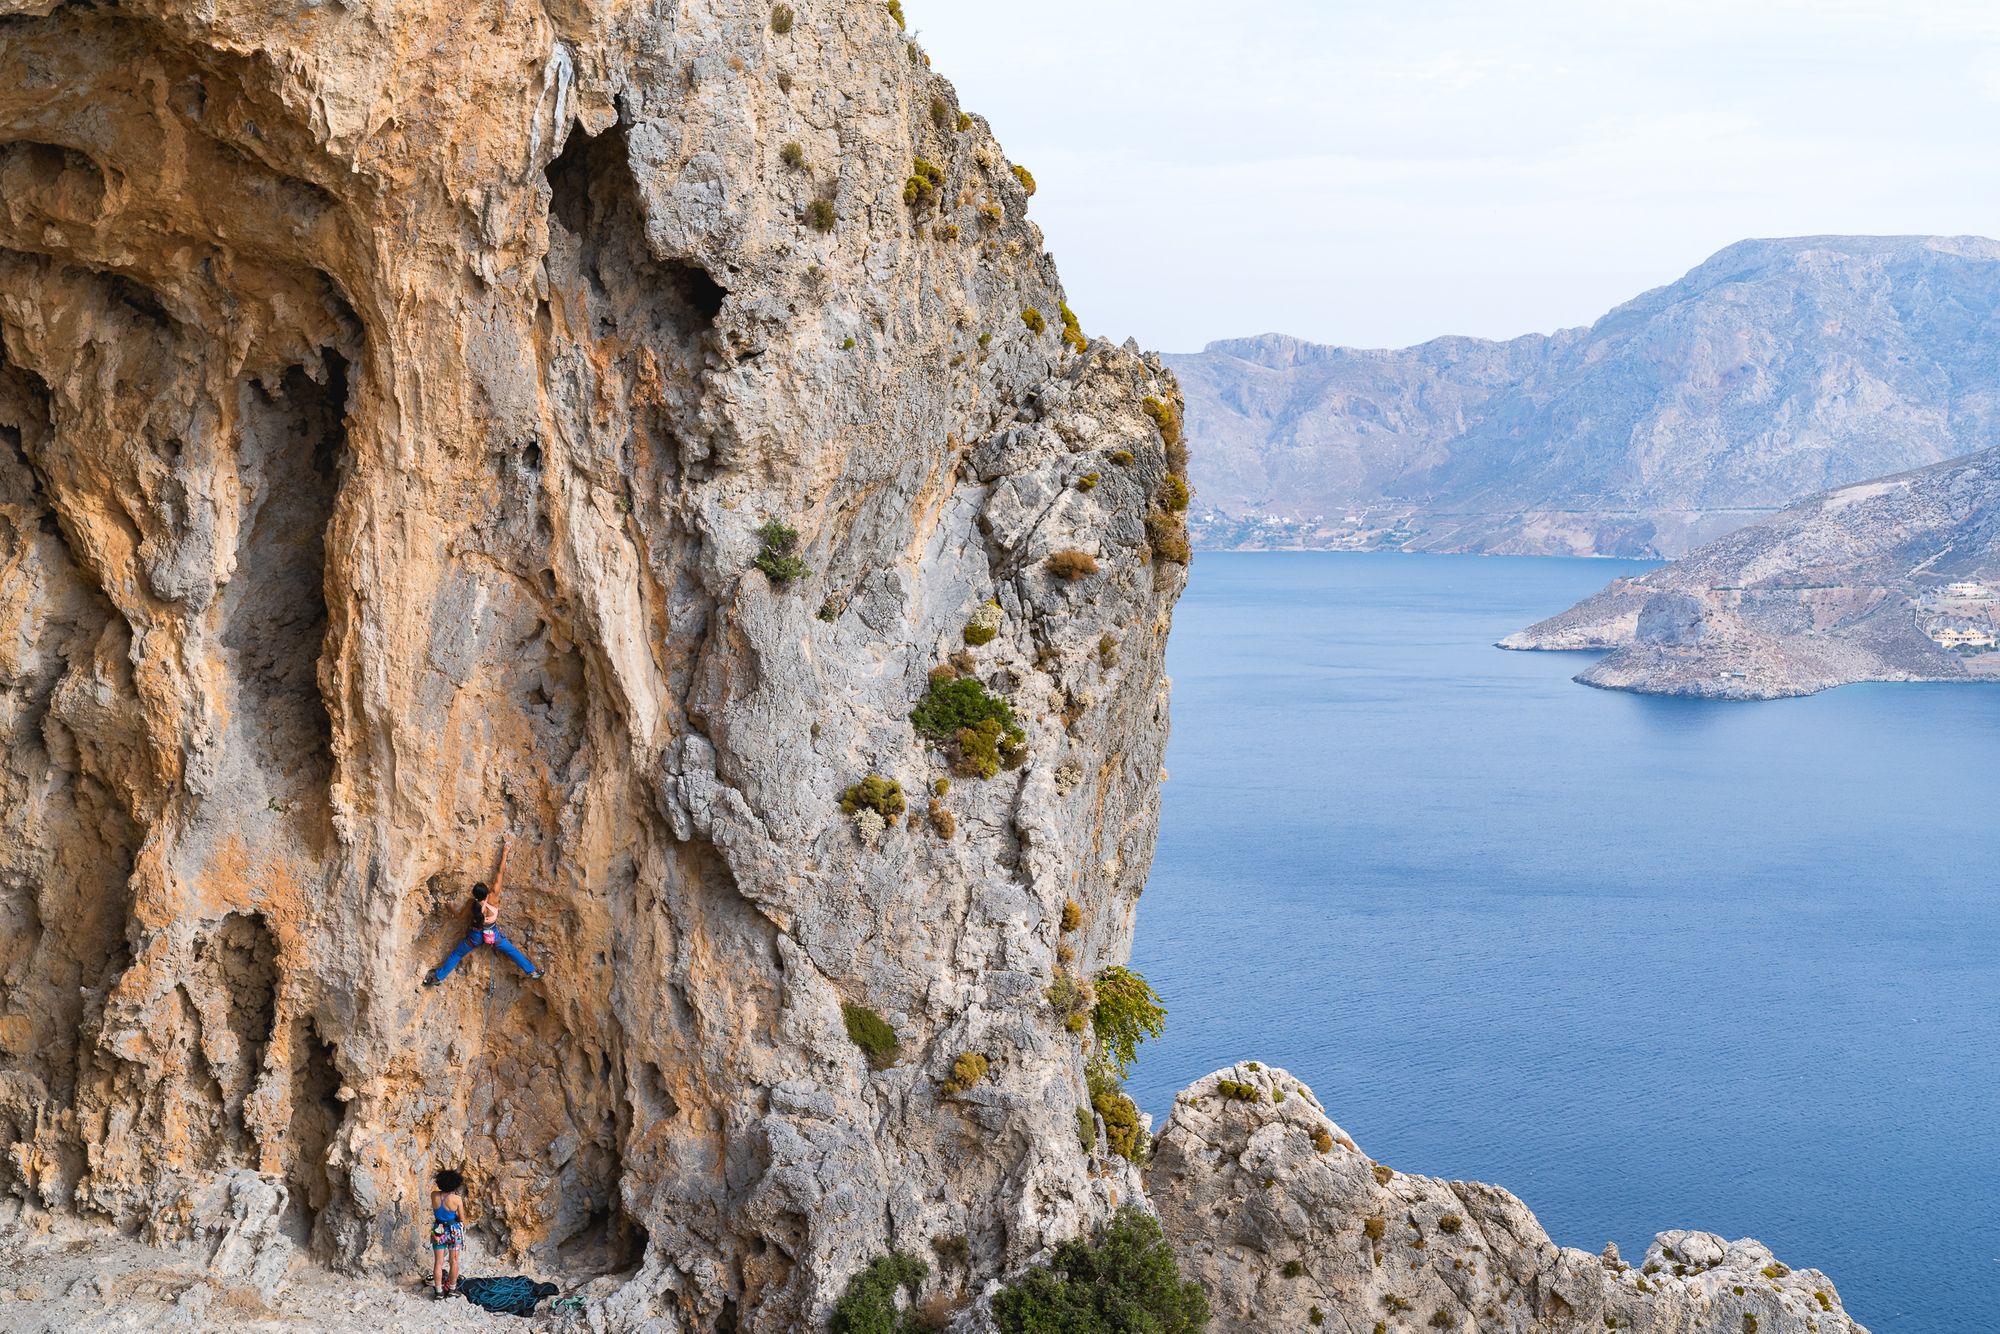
[{"x": 1774, "y": 370}]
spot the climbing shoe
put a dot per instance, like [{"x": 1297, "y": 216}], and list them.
[{"x": 431, "y": 980}]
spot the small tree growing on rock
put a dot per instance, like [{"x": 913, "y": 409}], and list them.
[
  {"x": 1128, "y": 1011},
  {"x": 778, "y": 557}
]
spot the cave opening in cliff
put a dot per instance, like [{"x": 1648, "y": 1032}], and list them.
[
  {"x": 292, "y": 447},
  {"x": 595, "y": 198},
  {"x": 609, "y": 1241},
  {"x": 316, "y": 1114},
  {"x": 235, "y": 972}
]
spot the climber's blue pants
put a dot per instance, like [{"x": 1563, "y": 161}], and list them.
[{"x": 473, "y": 941}]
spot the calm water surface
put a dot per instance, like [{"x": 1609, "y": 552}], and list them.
[{"x": 1649, "y": 963}]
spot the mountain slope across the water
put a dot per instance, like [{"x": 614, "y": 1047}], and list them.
[
  {"x": 1890, "y": 580},
  {"x": 1774, "y": 370}
]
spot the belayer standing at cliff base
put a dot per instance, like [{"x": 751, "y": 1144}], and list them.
[
  {"x": 447, "y": 1231},
  {"x": 485, "y": 929}
]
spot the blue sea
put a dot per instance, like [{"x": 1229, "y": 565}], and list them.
[{"x": 1648, "y": 963}]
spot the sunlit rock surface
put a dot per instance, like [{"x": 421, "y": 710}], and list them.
[{"x": 389, "y": 399}]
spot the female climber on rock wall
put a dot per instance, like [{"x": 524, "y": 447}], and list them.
[
  {"x": 485, "y": 929},
  {"x": 447, "y": 1230}
]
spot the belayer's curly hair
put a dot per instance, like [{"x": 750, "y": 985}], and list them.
[{"x": 450, "y": 1181}]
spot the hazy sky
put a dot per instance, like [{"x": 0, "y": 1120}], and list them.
[{"x": 1380, "y": 173}]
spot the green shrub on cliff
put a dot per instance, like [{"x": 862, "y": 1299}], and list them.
[
  {"x": 959, "y": 702},
  {"x": 926, "y": 179},
  {"x": 985, "y": 624},
  {"x": 869, "y": 1304},
  {"x": 1167, "y": 535},
  {"x": 1122, "y": 1132},
  {"x": 1071, "y": 999},
  {"x": 1025, "y": 177},
  {"x": 982, "y": 751},
  {"x": 896, "y": 12},
  {"x": 978, "y": 726},
  {"x": 782, "y": 19},
  {"x": 1124, "y": 1280},
  {"x": 1072, "y": 330},
  {"x": 1166, "y": 414}
]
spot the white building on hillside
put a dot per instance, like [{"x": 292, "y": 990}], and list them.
[{"x": 1963, "y": 636}]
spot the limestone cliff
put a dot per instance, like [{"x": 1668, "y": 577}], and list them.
[
  {"x": 391, "y": 396},
  {"x": 1896, "y": 579},
  {"x": 1292, "y": 1227}
]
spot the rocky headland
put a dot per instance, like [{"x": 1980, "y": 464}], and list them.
[
  {"x": 1892, "y": 580},
  {"x": 653, "y": 436},
  {"x": 1290, "y": 1226},
  {"x": 1774, "y": 370}
]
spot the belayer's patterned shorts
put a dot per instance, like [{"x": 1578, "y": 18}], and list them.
[{"x": 447, "y": 1236}]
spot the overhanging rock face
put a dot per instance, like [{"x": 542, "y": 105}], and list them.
[{"x": 390, "y": 396}]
